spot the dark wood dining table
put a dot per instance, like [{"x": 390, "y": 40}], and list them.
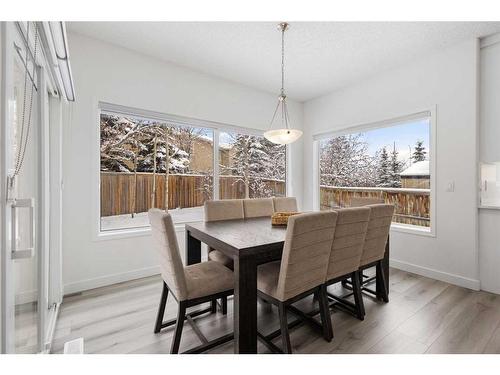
[{"x": 249, "y": 242}]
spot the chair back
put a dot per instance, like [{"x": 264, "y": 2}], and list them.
[
  {"x": 378, "y": 233},
  {"x": 285, "y": 204},
  {"x": 227, "y": 209},
  {"x": 347, "y": 247},
  {"x": 365, "y": 201},
  {"x": 258, "y": 207},
  {"x": 307, "y": 247},
  {"x": 165, "y": 240}
]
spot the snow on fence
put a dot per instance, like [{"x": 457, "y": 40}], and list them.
[
  {"x": 127, "y": 193},
  {"x": 412, "y": 206}
]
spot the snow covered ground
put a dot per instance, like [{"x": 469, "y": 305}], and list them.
[{"x": 140, "y": 220}]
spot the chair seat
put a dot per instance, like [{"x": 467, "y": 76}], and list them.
[
  {"x": 206, "y": 278},
  {"x": 220, "y": 257},
  {"x": 267, "y": 278}
]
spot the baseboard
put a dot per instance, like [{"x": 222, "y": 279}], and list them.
[
  {"x": 80, "y": 286},
  {"x": 435, "y": 274},
  {"x": 26, "y": 297}
]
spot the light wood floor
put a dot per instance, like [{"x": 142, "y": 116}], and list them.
[{"x": 423, "y": 316}]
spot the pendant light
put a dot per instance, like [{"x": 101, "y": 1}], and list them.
[{"x": 285, "y": 134}]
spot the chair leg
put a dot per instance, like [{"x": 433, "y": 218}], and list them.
[
  {"x": 285, "y": 336},
  {"x": 324, "y": 310},
  {"x": 358, "y": 297},
  {"x": 213, "y": 306},
  {"x": 382, "y": 281},
  {"x": 174, "y": 349},
  {"x": 224, "y": 305},
  {"x": 161, "y": 308}
]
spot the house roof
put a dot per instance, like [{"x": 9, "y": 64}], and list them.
[{"x": 420, "y": 168}]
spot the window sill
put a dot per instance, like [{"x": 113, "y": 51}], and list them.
[
  {"x": 413, "y": 229},
  {"x": 119, "y": 234}
]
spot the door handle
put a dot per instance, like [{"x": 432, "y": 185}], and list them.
[{"x": 28, "y": 252}]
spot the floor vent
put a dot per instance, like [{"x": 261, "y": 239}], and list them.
[{"x": 74, "y": 346}]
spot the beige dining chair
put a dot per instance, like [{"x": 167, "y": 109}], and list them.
[
  {"x": 258, "y": 207},
  {"x": 190, "y": 286},
  {"x": 375, "y": 244},
  {"x": 227, "y": 209},
  {"x": 347, "y": 248},
  {"x": 301, "y": 272},
  {"x": 285, "y": 204},
  {"x": 219, "y": 210}
]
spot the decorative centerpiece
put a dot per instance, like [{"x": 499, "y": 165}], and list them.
[{"x": 281, "y": 218}]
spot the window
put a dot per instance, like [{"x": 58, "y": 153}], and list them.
[
  {"x": 250, "y": 167},
  {"x": 390, "y": 163},
  {"x": 149, "y": 161}
]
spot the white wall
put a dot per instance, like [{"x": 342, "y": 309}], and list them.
[
  {"x": 489, "y": 219},
  {"x": 447, "y": 80},
  {"x": 104, "y": 72}
]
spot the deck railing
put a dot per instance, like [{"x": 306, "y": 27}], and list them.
[{"x": 412, "y": 206}]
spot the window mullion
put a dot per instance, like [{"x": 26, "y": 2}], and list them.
[{"x": 215, "y": 184}]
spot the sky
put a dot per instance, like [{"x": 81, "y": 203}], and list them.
[{"x": 404, "y": 135}]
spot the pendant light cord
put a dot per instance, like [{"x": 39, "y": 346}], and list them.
[{"x": 283, "y": 61}]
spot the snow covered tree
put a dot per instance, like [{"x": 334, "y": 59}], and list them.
[
  {"x": 419, "y": 154},
  {"x": 395, "y": 168},
  {"x": 384, "y": 176},
  {"x": 344, "y": 161},
  {"x": 254, "y": 160}
]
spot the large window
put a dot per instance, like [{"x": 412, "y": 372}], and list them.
[
  {"x": 390, "y": 163},
  {"x": 145, "y": 163}
]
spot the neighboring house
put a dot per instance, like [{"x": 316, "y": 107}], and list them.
[
  {"x": 416, "y": 176},
  {"x": 201, "y": 155}
]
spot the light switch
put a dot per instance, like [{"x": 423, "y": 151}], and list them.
[{"x": 450, "y": 187}]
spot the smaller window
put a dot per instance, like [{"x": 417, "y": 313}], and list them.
[{"x": 389, "y": 163}]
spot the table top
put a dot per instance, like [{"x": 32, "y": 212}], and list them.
[{"x": 240, "y": 237}]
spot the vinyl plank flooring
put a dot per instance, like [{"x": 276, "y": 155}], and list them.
[
  {"x": 423, "y": 315},
  {"x": 471, "y": 330}
]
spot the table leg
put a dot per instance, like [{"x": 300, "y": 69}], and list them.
[
  {"x": 385, "y": 262},
  {"x": 193, "y": 249},
  {"x": 245, "y": 305}
]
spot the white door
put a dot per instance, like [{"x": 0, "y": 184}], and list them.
[{"x": 23, "y": 290}]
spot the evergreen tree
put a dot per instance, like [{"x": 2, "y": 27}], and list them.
[
  {"x": 396, "y": 166},
  {"x": 419, "y": 154},
  {"x": 384, "y": 175},
  {"x": 250, "y": 162}
]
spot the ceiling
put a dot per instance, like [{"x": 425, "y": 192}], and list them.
[{"x": 320, "y": 57}]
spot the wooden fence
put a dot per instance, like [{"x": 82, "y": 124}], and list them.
[
  {"x": 127, "y": 193},
  {"x": 412, "y": 206}
]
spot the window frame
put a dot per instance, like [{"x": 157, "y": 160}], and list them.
[
  {"x": 174, "y": 120},
  {"x": 429, "y": 113}
]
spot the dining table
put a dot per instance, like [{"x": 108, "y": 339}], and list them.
[{"x": 250, "y": 243}]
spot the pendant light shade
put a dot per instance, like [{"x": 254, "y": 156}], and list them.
[{"x": 285, "y": 134}]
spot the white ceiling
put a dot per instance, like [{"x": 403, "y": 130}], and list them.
[{"x": 320, "y": 56}]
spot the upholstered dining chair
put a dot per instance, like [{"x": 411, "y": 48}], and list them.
[
  {"x": 347, "y": 248},
  {"x": 301, "y": 272},
  {"x": 285, "y": 204},
  {"x": 258, "y": 207},
  {"x": 190, "y": 286},
  {"x": 227, "y": 209},
  {"x": 375, "y": 243}
]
